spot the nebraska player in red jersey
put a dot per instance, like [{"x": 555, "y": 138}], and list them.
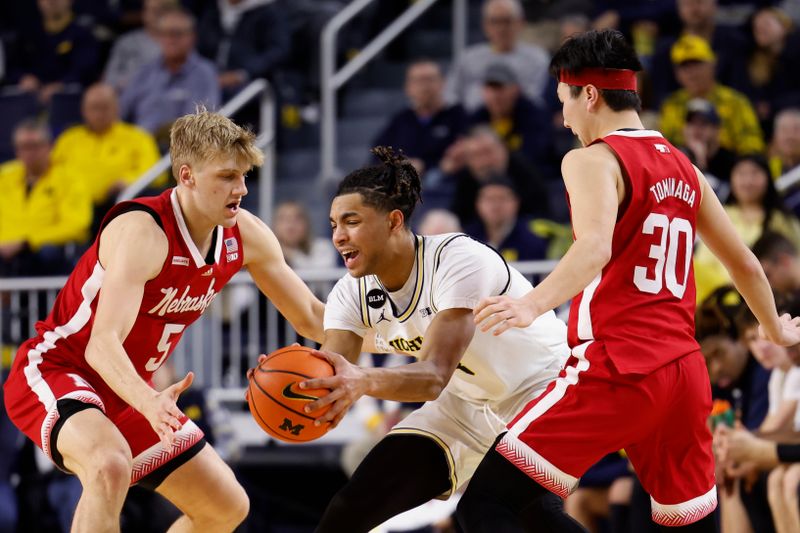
[
  {"x": 80, "y": 389},
  {"x": 636, "y": 379}
]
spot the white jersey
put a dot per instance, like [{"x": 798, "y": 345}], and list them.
[{"x": 455, "y": 271}]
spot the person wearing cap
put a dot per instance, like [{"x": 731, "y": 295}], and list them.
[
  {"x": 694, "y": 63},
  {"x": 524, "y": 127},
  {"x": 636, "y": 379},
  {"x": 503, "y": 21},
  {"x": 499, "y": 224},
  {"x": 699, "y": 17},
  {"x": 701, "y": 134},
  {"x": 425, "y": 128}
]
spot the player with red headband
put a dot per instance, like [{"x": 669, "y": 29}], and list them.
[{"x": 636, "y": 379}]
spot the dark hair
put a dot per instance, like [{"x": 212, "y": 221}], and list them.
[
  {"x": 393, "y": 184},
  {"x": 717, "y": 314},
  {"x": 772, "y": 244},
  {"x": 771, "y": 202},
  {"x": 599, "y": 49}
]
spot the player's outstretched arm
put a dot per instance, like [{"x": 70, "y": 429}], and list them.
[
  {"x": 264, "y": 260},
  {"x": 591, "y": 176},
  {"x": 718, "y": 233},
  {"x": 132, "y": 251},
  {"x": 446, "y": 339}
]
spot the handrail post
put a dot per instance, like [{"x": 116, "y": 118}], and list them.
[
  {"x": 459, "y": 28},
  {"x": 266, "y": 186}
]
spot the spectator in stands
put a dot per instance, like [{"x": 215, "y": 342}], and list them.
[
  {"x": 784, "y": 151},
  {"x": 136, "y": 48},
  {"x": 301, "y": 249},
  {"x": 424, "y": 129},
  {"x": 524, "y": 127},
  {"x": 42, "y": 209},
  {"x": 698, "y": 18},
  {"x": 694, "y": 66},
  {"x": 245, "y": 39},
  {"x": 502, "y": 23},
  {"x": 779, "y": 258},
  {"x": 754, "y": 208},
  {"x": 773, "y": 64},
  {"x": 499, "y": 224},
  {"x": 701, "y": 136},
  {"x": 438, "y": 221},
  {"x": 104, "y": 152},
  {"x": 483, "y": 156},
  {"x": 57, "y": 53},
  {"x": 173, "y": 84}
]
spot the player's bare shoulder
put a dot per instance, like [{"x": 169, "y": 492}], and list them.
[
  {"x": 134, "y": 240},
  {"x": 258, "y": 240},
  {"x": 592, "y": 164}
]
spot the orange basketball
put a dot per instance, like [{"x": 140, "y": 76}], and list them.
[{"x": 276, "y": 401}]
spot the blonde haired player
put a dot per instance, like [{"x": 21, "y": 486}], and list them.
[
  {"x": 79, "y": 389},
  {"x": 417, "y": 293}
]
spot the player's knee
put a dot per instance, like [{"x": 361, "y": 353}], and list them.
[
  {"x": 110, "y": 469},
  {"x": 790, "y": 482},
  {"x": 239, "y": 507}
]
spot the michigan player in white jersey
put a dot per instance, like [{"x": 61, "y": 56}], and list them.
[{"x": 417, "y": 294}]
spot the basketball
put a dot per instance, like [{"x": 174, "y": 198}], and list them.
[{"x": 276, "y": 400}]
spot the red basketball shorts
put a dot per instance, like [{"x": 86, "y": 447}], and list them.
[
  {"x": 659, "y": 419},
  {"x": 33, "y": 394}
]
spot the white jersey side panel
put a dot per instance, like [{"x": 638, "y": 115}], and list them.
[{"x": 456, "y": 272}]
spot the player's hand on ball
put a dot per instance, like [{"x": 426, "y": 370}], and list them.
[
  {"x": 162, "y": 411},
  {"x": 249, "y": 374},
  {"x": 503, "y": 313},
  {"x": 347, "y": 385}
]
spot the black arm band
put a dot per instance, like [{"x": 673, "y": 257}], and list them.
[{"x": 788, "y": 453}]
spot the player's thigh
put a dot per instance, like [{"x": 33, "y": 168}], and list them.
[
  {"x": 675, "y": 462},
  {"x": 89, "y": 444},
  {"x": 205, "y": 486}
]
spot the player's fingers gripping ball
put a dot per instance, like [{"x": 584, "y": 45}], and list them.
[{"x": 276, "y": 400}]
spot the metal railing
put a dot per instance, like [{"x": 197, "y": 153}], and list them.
[
  {"x": 239, "y": 325},
  {"x": 266, "y": 141},
  {"x": 333, "y": 79}
]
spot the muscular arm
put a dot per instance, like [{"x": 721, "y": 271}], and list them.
[
  {"x": 264, "y": 260},
  {"x": 718, "y": 233},
  {"x": 595, "y": 187},
  {"x": 446, "y": 339},
  {"x": 127, "y": 269}
]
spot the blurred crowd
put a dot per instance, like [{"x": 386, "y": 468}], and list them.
[{"x": 89, "y": 89}]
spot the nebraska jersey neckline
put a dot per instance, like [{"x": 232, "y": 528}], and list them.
[{"x": 216, "y": 244}]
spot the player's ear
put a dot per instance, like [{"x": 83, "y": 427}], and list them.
[
  {"x": 396, "y": 220},
  {"x": 185, "y": 176},
  {"x": 592, "y": 96}
]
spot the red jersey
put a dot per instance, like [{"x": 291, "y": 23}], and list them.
[
  {"x": 182, "y": 291},
  {"x": 641, "y": 306}
]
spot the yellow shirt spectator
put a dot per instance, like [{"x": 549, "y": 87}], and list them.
[
  {"x": 121, "y": 154},
  {"x": 55, "y": 211},
  {"x": 740, "y": 131}
]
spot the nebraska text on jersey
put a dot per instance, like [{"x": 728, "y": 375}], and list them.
[
  {"x": 185, "y": 303},
  {"x": 673, "y": 187}
]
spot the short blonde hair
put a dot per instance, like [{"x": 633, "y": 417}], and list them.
[{"x": 205, "y": 136}]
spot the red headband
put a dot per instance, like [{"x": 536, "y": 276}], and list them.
[{"x": 602, "y": 78}]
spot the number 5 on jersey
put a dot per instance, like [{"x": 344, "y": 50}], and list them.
[
  {"x": 163, "y": 346},
  {"x": 675, "y": 234}
]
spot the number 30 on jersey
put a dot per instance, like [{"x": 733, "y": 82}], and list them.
[{"x": 675, "y": 234}]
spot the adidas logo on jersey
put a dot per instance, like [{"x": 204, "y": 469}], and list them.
[
  {"x": 208, "y": 272},
  {"x": 663, "y": 148}
]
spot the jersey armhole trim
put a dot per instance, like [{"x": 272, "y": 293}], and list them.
[{"x": 129, "y": 207}]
